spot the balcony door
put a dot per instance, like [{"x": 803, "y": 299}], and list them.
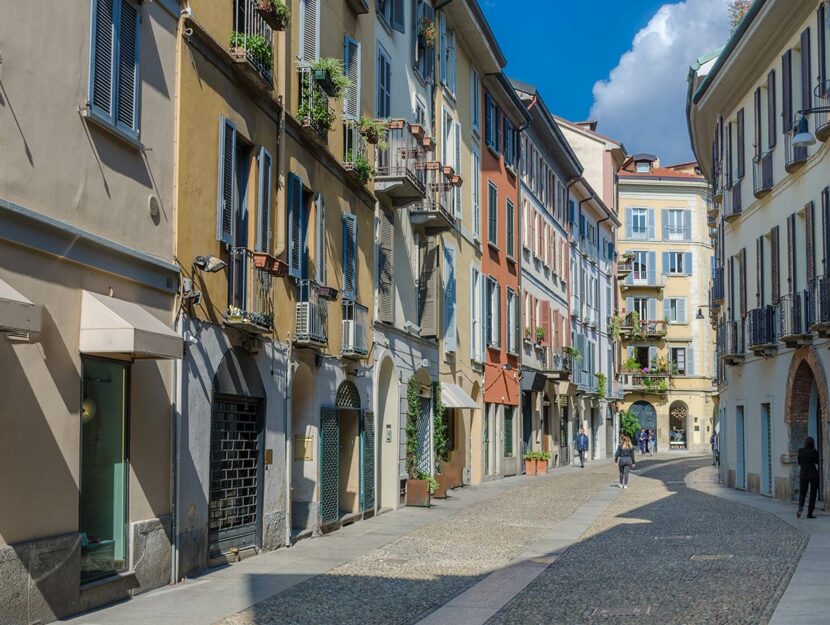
[
  {"x": 640, "y": 273},
  {"x": 237, "y": 286}
]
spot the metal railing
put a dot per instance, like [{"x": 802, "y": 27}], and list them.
[
  {"x": 732, "y": 201},
  {"x": 676, "y": 233},
  {"x": 761, "y": 325},
  {"x": 249, "y": 33},
  {"x": 793, "y": 157},
  {"x": 312, "y": 314},
  {"x": 646, "y": 382},
  {"x": 588, "y": 247},
  {"x": 821, "y": 301},
  {"x": 718, "y": 290},
  {"x": 404, "y": 155},
  {"x": 355, "y": 157},
  {"x": 635, "y": 327},
  {"x": 585, "y": 380},
  {"x": 557, "y": 360},
  {"x": 250, "y": 300},
  {"x": 795, "y": 315},
  {"x": 731, "y": 339},
  {"x": 646, "y": 278},
  {"x": 355, "y": 329},
  {"x": 314, "y": 110},
  {"x": 439, "y": 192},
  {"x": 625, "y": 267},
  {"x": 762, "y": 174},
  {"x": 821, "y": 101}
]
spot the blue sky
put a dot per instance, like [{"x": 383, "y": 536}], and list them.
[{"x": 621, "y": 62}]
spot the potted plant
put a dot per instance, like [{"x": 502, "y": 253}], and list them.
[
  {"x": 573, "y": 352},
  {"x": 328, "y": 73},
  {"x": 542, "y": 462},
  {"x": 314, "y": 109},
  {"x": 275, "y": 13},
  {"x": 530, "y": 462},
  {"x": 417, "y": 131},
  {"x": 419, "y": 484},
  {"x": 601, "y": 381},
  {"x": 540, "y": 335},
  {"x": 427, "y": 32},
  {"x": 371, "y": 130},
  {"x": 527, "y": 335},
  {"x": 255, "y": 45},
  {"x": 361, "y": 166}
]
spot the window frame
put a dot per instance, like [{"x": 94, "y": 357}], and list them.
[
  {"x": 475, "y": 102},
  {"x": 492, "y": 214},
  {"x": 383, "y": 55}
]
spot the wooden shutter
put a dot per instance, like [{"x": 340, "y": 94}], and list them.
[
  {"x": 821, "y": 31},
  {"x": 791, "y": 269},
  {"x": 690, "y": 361},
  {"x": 771, "y": 109},
  {"x": 651, "y": 225},
  {"x": 442, "y": 45},
  {"x": 309, "y": 30},
  {"x": 386, "y": 276},
  {"x": 103, "y": 58},
  {"x": 128, "y": 29},
  {"x": 263, "y": 233},
  {"x": 349, "y": 256},
  {"x": 730, "y": 154},
  {"x": 681, "y": 310},
  {"x": 510, "y": 220},
  {"x": 321, "y": 256},
  {"x": 429, "y": 290},
  {"x": 759, "y": 271},
  {"x": 806, "y": 71},
  {"x": 688, "y": 263},
  {"x": 741, "y": 151},
  {"x": 825, "y": 229},
  {"x": 450, "y": 333},
  {"x": 295, "y": 226},
  {"x": 742, "y": 284},
  {"x": 227, "y": 192},
  {"x": 540, "y": 233},
  {"x": 398, "y": 16},
  {"x": 731, "y": 307},
  {"x": 810, "y": 241},
  {"x": 774, "y": 267},
  {"x": 544, "y": 314},
  {"x": 787, "y": 91},
  {"x": 351, "y": 67},
  {"x": 757, "y": 100}
]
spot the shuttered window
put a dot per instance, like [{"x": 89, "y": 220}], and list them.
[
  {"x": 424, "y": 53},
  {"x": 759, "y": 271},
  {"x": 321, "y": 260},
  {"x": 113, "y": 76},
  {"x": 383, "y": 106},
  {"x": 545, "y": 322},
  {"x": 512, "y": 322},
  {"x": 476, "y": 305},
  {"x": 309, "y": 30},
  {"x": 491, "y": 123},
  {"x": 806, "y": 71},
  {"x": 492, "y": 214},
  {"x": 450, "y": 331},
  {"x": 475, "y": 192},
  {"x": 263, "y": 234},
  {"x": 492, "y": 310},
  {"x": 349, "y": 256},
  {"x": 787, "y": 91},
  {"x": 296, "y": 227},
  {"x": 758, "y": 122},
  {"x": 821, "y": 37},
  {"x": 392, "y": 12},
  {"x": 742, "y": 283},
  {"x": 510, "y": 219},
  {"x": 792, "y": 280},
  {"x": 227, "y": 177},
  {"x": 825, "y": 229},
  {"x": 386, "y": 268},
  {"x": 771, "y": 110},
  {"x": 475, "y": 100},
  {"x": 428, "y": 290},
  {"x": 351, "y": 67},
  {"x": 774, "y": 256},
  {"x": 810, "y": 241},
  {"x": 741, "y": 151}
]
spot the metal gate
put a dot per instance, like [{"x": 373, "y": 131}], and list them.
[
  {"x": 235, "y": 473},
  {"x": 329, "y": 466},
  {"x": 367, "y": 477},
  {"x": 425, "y": 436}
]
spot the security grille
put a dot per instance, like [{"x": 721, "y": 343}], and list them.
[
  {"x": 329, "y": 465},
  {"x": 347, "y": 396},
  {"x": 368, "y": 461},
  {"x": 424, "y": 430},
  {"x": 236, "y": 434}
]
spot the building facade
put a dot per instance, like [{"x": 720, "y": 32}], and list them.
[
  {"x": 88, "y": 290},
  {"x": 667, "y": 344},
  {"x": 747, "y": 106}
]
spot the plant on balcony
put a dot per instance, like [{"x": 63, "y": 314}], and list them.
[
  {"x": 527, "y": 334},
  {"x": 274, "y": 12},
  {"x": 314, "y": 107},
  {"x": 616, "y": 325},
  {"x": 573, "y": 352},
  {"x": 373, "y": 131},
  {"x": 540, "y": 335},
  {"x": 328, "y": 72},
  {"x": 638, "y": 331},
  {"x": 427, "y": 32},
  {"x": 235, "y": 314},
  {"x": 255, "y": 45},
  {"x": 361, "y": 166},
  {"x": 629, "y": 424},
  {"x": 632, "y": 364},
  {"x": 601, "y": 384}
]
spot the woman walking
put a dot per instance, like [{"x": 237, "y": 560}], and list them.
[
  {"x": 625, "y": 459},
  {"x": 809, "y": 477}
]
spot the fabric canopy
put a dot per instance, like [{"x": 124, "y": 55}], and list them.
[
  {"x": 453, "y": 396},
  {"x": 115, "y": 326},
  {"x": 17, "y": 314}
]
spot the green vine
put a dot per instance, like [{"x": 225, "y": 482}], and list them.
[
  {"x": 439, "y": 428},
  {"x": 413, "y": 412},
  {"x": 315, "y": 107},
  {"x": 257, "y": 45},
  {"x": 616, "y": 325},
  {"x": 601, "y": 380}
]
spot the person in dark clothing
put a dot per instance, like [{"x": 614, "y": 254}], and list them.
[
  {"x": 625, "y": 459},
  {"x": 582, "y": 446},
  {"x": 808, "y": 461},
  {"x": 642, "y": 441}
]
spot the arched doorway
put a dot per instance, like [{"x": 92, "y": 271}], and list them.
[
  {"x": 678, "y": 418},
  {"x": 646, "y": 415},
  {"x": 350, "y": 428},
  {"x": 807, "y": 413},
  {"x": 304, "y": 430},
  {"x": 389, "y": 409}
]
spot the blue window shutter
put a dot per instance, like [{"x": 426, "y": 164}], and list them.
[
  {"x": 398, "y": 15},
  {"x": 688, "y": 266},
  {"x": 687, "y": 224},
  {"x": 263, "y": 233},
  {"x": 681, "y": 310},
  {"x": 690, "y": 361},
  {"x": 629, "y": 304},
  {"x": 295, "y": 226},
  {"x": 664, "y": 215},
  {"x": 442, "y": 46},
  {"x": 652, "y": 309},
  {"x": 227, "y": 183},
  {"x": 629, "y": 226},
  {"x": 666, "y": 268},
  {"x": 651, "y": 263},
  {"x": 450, "y": 334},
  {"x": 651, "y": 235},
  {"x": 349, "y": 255},
  {"x": 102, "y": 57},
  {"x": 127, "y": 54}
]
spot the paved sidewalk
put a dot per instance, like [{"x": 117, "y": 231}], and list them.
[{"x": 806, "y": 601}]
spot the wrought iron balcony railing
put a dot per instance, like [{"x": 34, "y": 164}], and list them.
[
  {"x": 731, "y": 342},
  {"x": 434, "y": 212},
  {"x": 355, "y": 329},
  {"x": 252, "y": 40},
  {"x": 654, "y": 383},
  {"x": 558, "y": 362},
  {"x": 312, "y": 315},
  {"x": 718, "y": 291},
  {"x": 732, "y": 201},
  {"x": 821, "y": 306},
  {"x": 633, "y": 328},
  {"x": 793, "y": 157},
  {"x": 762, "y": 182},
  {"x": 761, "y": 330},
  {"x": 625, "y": 267},
  {"x": 250, "y": 294},
  {"x": 355, "y": 153},
  {"x": 401, "y": 166},
  {"x": 795, "y": 314},
  {"x": 821, "y": 101},
  {"x": 314, "y": 113},
  {"x": 639, "y": 278}
]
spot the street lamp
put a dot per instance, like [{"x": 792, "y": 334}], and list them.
[
  {"x": 803, "y": 137},
  {"x": 699, "y": 316}
]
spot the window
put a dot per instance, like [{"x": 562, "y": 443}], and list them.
[
  {"x": 349, "y": 257},
  {"x": 491, "y": 121},
  {"x": 493, "y": 310},
  {"x": 511, "y": 220},
  {"x": 510, "y": 145},
  {"x": 643, "y": 167},
  {"x": 424, "y": 51},
  {"x": 640, "y": 306},
  {"x": 512, "y": 322},
  {"x": 447, "y": 55},
  {"x": 392, "y": 13},
  {"x": 475, "y": 101},
  {"x": 492, "y": 214},
  {"x": 508, "y": 431},
  {"x": 675, "y": 310},
  {"x": 477, "y": 302},
  {"x": 383, "y": 107},
  {"x": 678, "y": 360},
  {"x": 677, "y": 263},
  {"x": 475, "y": 193},
  {"x": 676, "y": 225},
  {"x": 639, "y": 222},
  {"x": 113, "y": 76}
]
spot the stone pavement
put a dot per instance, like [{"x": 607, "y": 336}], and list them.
[{"x": 566, "y": 548}]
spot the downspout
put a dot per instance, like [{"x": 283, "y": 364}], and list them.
[
  {"x": 287, "y": 402},
  {"x": 280, "y": 243}
]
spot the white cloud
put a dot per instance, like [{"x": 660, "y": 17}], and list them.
[{"x": 643, "y": 101}]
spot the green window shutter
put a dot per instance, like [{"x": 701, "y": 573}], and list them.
[
  {"x": 386, "y": 277},
  {"x": 349, "y": 256},
  {"x": 226, "y": 193},
  {"x": 263, "y": 233}
]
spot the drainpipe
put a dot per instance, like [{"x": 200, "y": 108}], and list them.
[
  {"x": 287, "y": 401},
  {"x": 280, "y": 243}
]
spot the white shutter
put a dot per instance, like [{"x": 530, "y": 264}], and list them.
[
  {"x": 309, "y": 30},
  {"x": 450, "y": 333},
  {"x": 457, "y": 166},
  {"x": 320, "y": 257},
  {"x": 226, "y": 193},
  {"x": 351, "y": 66},
  {"x": 263, "y": 233}
]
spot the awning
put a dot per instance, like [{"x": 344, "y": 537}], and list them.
[
  {"x": 17, "y": 314},
  {"x": 533, "y": 381},
  {"x": 453, "y": 396},
  {"x": 115, "y": 326}
]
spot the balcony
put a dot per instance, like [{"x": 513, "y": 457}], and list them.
[
  {"x": 793, "y": 157},
  {"x": 252, "y": 42},
  {"x": 645, "y": 279},
  {"x": 401, "y": 176},
  {"x": 360, "y": 7},
  {"x": 761, "y": 324},
  {"x": 355, "y": 330},
  {"x": 314, "y": 113},
  {"x": 732, "y": 201},
  {"x": 625, "y": 266},
  {"x": 433, "y": 213},
  {"x": 821, "y": 306},
  {"x": 795, "y": 319},
  {"x": 251, "y": 305},
  {"x": 586, "y": 382},
  {"x": 355, "y": 153},
  {"x": 731, "y": 342},
  {"x": 716, "y": 187},
  {"x": 718, "y": 291},
  {"x": 557, "y": 364},
  {"x": 762, "y": 174},
  {"x": 590, "y": 316},
  {"x": 646, "y": 383},
  {"x": 633, "y": 328},
  {"x": 588, "y": 249},
  {"x": 821, "y": 100},
  {"x": 312, "y": 315}
]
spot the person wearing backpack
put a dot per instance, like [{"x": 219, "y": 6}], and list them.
[{"x": 625, "y": 459}]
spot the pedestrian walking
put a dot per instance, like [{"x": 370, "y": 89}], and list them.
[
  {"x": 624, "y": 457},
  {"x": 652, "y": 443},
  {"x": 641, "y": 439},
  {"x": 713, "y": 441},
  {"x": 808, "y": 461},
  {"x": 581, "y": 446}
]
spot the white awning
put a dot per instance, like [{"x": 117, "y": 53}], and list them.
[
  {"x": 115, "y": 326},
  {"x": 17, "y": 314},
  {"x": 453, "y": 396}
]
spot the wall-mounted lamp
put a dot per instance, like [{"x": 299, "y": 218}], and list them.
[{"x": 209, "y": 264}]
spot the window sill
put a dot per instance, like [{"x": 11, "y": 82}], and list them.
[
  {"x": 493, "y": 246},
  {"x": 511, "y": 260},
  {"x": 494, "y": 151},
  {"x": 511, "y": 169},
  {"x": 495, "y": 348},
  {"x": 91, "y": 116}
]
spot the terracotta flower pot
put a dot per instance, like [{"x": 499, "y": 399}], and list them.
[
  {"x": 541, "y": 467},
  {"x": 417, "y": 493},
  {"x": 269, "y": 14},
  {"x": 530, "y": 467},
  {"x": 443, "y": 485}
]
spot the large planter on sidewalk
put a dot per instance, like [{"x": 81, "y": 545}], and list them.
[
  {"x": 417, "y": 493},
  {"x": 444, "y": 484},
  {"x": 530, "y": 466},
  {"x": 536, "y": 462}
]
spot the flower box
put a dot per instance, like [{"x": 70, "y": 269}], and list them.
[
  {"x": 266, "y": 262},
  {"x": 328, "y": 293},
  {"x": 530, "y": 467},
  {"x": 268, "y": 12},
  {"x": 443, "y": 485},
  {"x": 323, "y": 78},
  {"x": 417, "y": 493}
]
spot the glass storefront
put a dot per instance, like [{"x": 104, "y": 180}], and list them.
[{"x": 103, "y": 497}]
